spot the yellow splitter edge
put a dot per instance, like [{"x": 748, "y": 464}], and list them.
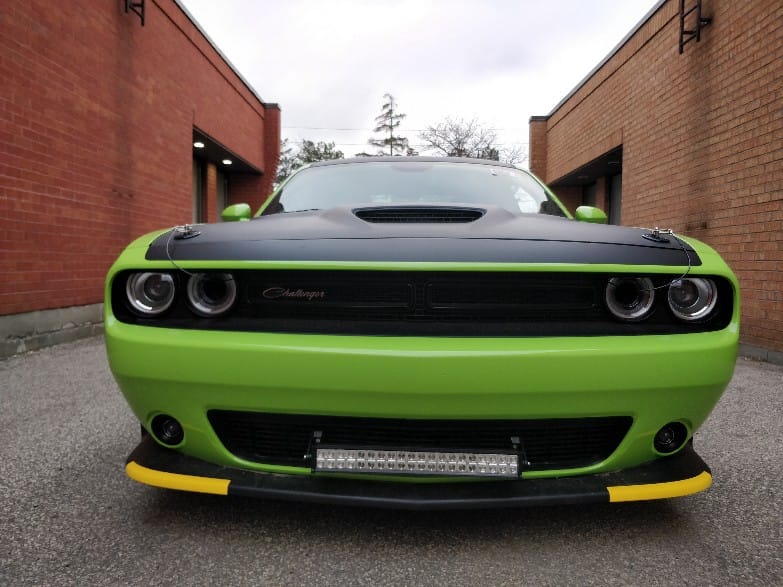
[{"x": 665, "y": 490}]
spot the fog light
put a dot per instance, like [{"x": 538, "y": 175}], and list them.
[
  {"x": 167, "y": 430},
  {"x": 670, "y": 438}
]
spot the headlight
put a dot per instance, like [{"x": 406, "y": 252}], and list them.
[
  {"x": 150, "y": 294},
  {"x": 692, "y": 298},
  {"x": 211, "y": 294},
  {"x": 630, "y": 298}
]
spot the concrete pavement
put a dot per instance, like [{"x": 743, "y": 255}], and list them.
[{"x": 69, "y": 516}]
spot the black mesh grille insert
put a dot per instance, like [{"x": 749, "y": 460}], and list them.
[
  {"x": 419, "y": 214},
  {"x": 421, "y": 297},
  {"x": 283, "y": 439}
]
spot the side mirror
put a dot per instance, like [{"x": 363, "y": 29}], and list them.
[
  {"x": 590, "y": 214},
  {"x": 237, "y": 212}
]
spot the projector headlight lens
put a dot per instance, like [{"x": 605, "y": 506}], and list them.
[
  {"x": 692, "y": 298},
  {"x": 211, "y": 294},
  {"x": 150, "y": 294},
  {"x": 630, "y": 298}
]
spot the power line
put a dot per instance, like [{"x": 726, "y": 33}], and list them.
[
  {"x": 422, "y": 146},
  {"x": 373, "y": 130},
  {"x": 349, "y": 129}
]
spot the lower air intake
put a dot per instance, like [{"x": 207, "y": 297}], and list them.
[{"x": 284, "y": 439}]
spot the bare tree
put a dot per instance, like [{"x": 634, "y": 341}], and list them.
[
  {"x": 461, "y": 138},
  {"x": 387, "y": 122},
  {"x": 516, "y": 155}
]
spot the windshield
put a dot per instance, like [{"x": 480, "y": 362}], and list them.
[{"x": 412, "y": 182}]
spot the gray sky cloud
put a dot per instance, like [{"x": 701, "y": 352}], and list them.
[{"x": 328, "y": 64}]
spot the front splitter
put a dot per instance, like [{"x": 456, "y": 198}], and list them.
[{"x": 682, "y": 474}]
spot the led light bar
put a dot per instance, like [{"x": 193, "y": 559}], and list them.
[{"x": 408, "y": 462}]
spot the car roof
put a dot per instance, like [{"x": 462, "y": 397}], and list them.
[{"x": 419, "y": 159}]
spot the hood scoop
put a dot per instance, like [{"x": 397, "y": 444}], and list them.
[{"x": 419, "y": 214}]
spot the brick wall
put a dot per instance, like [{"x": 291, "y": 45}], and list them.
[
  {"x": 570, "y": 197},
  {"x": 250, "y": 189},
  {"x": 702, "y": 137},
  {"x": 96, "y": 120},
  {"x": 210, "y": 193},
  {"x": 538, "y": 145},
  {"x": 272, "y": 155}
]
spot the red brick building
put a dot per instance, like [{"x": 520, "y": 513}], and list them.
[
  {"x": 691, "y": 140},
  {"x": 100, "y": 110}
]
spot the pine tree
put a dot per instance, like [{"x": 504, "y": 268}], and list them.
[{"x": 387, "y": 122}]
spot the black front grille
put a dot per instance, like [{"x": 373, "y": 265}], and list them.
[
  {"x": 424, "y": 303},
  {"x": 422, "y": 296},
  {"x": 419, "y": 214},
  {"x": 284, "y": 439}
]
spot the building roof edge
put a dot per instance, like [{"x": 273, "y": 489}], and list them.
[
  {"x": 604, "y": 61},
  {"x": 212, "y": 43}
]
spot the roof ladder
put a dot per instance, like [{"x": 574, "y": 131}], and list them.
[
  {"x": 694, "y": 32},
  {"x": 137, "y": 7}
]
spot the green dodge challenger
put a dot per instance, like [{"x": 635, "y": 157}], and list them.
[{"x": 420, "y": 333}]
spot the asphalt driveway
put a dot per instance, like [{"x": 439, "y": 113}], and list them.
[{"x": 69, "y": 516}]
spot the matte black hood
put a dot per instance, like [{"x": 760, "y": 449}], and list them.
[{"x": 499, "y": 236}]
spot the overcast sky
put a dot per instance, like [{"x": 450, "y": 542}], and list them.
[{"x": 328, "y": 64}]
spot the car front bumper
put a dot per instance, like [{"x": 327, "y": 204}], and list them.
[{"x": 652, "y": 379}]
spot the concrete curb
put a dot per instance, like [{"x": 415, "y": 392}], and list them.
[
  {"x": 31, "y": 331},
  {"x": 760, "y": 354}
]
